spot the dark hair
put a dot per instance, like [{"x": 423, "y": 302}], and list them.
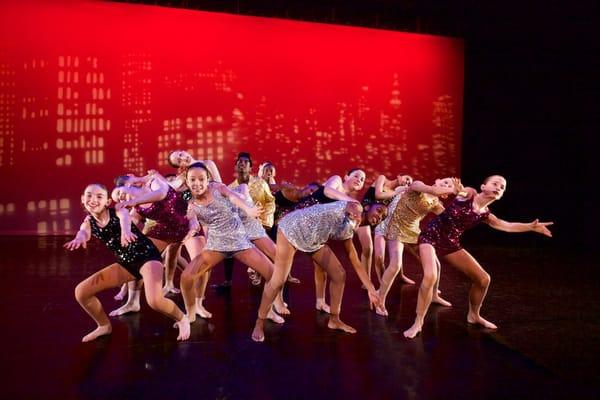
[
  {"x": 198, "y": 164},
  {"x": 491, "y": 176},
  {"x": 121, "y": 180},
  {"x": 354, "y": 169},
  {"x": 101, "y": 186},
  {"x": 245, "y": 155},
  {"x": 317, "y": 184}
]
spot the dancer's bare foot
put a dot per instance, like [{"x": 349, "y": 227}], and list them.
[
  {"x": 322, "y": 306},
  {"x": 381, "y": 311},
  {"x": 258, "y": 334},
  {"x": 442, "y": 302},
  {"x": 184, "y": 328},
  {"x": 122, "y": 293},
  {"x": 170, "y": 288},
  {"x": 124, "y": 309},
  {"x": 413, "y": 331},
  {"x": 202, "y": 312},
  {"x": 274, "y": 317},
  {"x": 281, "y": 309},
  {"x": 292, "y": 279},
  {"x": 336, "y": 323},
  {"x": 191, "y": 315},
  {"x": 473, "y": 318},
  {"x": 96, "y": 333},
  {"x": 406, "y": 279}
]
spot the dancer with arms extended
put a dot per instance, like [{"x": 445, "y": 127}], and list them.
[
  {"x": 137, "y": 258},
  {"x": 442, "y": 236}
]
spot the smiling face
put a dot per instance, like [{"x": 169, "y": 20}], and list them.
[
  {"x": 180, "y": 158},
  {"x": 95, "y": 199},
  {"x": 355, "y": 180},
  {"x": 494, "y": 186},
  {"x": 197, "y": 181},
  {"x": 268, "y": 172},
  {"x": 375, "y": 214}
]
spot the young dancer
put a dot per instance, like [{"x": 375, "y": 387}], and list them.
[
  {"x": 213, "y": 205},
  {"x": 308, "y": 230},
  {"x": 401, "y": 229},
  {"x": 442, "y": 236},
  {"x": 137, "y": 258}
]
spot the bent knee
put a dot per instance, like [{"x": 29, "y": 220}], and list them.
[
  {"x": 429, "y": 280},
  {"x": 484, "y": 280}
]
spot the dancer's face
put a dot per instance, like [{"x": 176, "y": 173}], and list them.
[
  {"x": 356, "y": 180},
  {"x": 119, "y": 194},
  {"x": 180, "y": 158},
  {"x": 268, "y": 172},
  {"x": 404, "y": 180},
  {"x": 376, "y": 213},
  {"x": 95, "y": 199},
  {"x": 197, "y": 181},
  {"x": 242, "y": 165},
  {"x": 494, "y": 187}
]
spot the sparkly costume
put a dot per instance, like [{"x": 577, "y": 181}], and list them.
[
  {"x": 404, "y": 221},
  {"x": 253, "y": 227},
  {"x": 170, "y": 215},
  {"x": 308, "y": 229},
  {"x": 132, "y": 257},
  {"x": 226, "y": 232},
  {"x": 381, "y": 228},
  {"x": 261, "y": 195},
  {"x": 444, "y": 232}
]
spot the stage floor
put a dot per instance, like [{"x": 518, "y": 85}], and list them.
[{"x": 544, "y": 301}]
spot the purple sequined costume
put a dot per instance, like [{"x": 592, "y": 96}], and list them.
[
  {"x": 445, "y": 230},
  {"x": 170, "y": 216}
]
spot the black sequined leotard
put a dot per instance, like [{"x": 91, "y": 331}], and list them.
[{"x": 132, "y": 257}]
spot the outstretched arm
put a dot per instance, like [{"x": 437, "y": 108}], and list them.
[
  {"x": 419, "y": 186},
  {"x": 360, "y": 271},
  {"x": 535, "y": 226},
  {"x": 237, "y": 200},
  {"x": 81, "y": 237},
  {"x": 152, "y": 196}
]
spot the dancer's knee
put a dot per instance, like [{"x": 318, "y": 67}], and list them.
[
  {"x": 80, "y": 293},
  {"x": 429, "y": 280},
  {"x": 484, "y": 280}
]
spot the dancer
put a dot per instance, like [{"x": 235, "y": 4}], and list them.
[
  {"x": 213, "y": 205},
  {"x": 159, "y": 202},
  {"x": 401, "y": 229},
  {"x": 261, "y": 195},
  {"x": 382, "y": 191},
  {"x": 309, "y": 230},
  {"x": 441, "y": 238},
  {"x": 137, "y": 258}
]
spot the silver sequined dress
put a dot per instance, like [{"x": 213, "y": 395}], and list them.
[
  {"x": 308, "y": 229},
  {"x": 381, "y": 228},
  {"x": 253, "y": 227},
  {"x": 226, "y": 232}
]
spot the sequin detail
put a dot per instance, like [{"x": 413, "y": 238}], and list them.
[
  {"x": 170, "y": 215},
  {"x": 409, "y": 212},
  {"x": 226, "y": 232},
  {"x": 253, "y": 227},
  {"x": 132, "y": 257},
  {"x": 445, "y": 230},
  {"x": 381, "y": 228},
  {"x": 308, "y": 229}
]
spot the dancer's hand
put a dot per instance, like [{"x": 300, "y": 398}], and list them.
[
  {"x": 458, "y": 186},
  {"x": 127, "y": 238},
  {"x": 374, "y": 300},
  {"x": 124, "y": 204},
  {"x": 75, "y": 244},
  {"x": 540, "y": 227},
  {"x": 255, "y": 212}
]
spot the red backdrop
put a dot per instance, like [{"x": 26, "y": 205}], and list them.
[{"x": 90, "y": 90}]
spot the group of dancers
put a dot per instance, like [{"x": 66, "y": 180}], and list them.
[{"x": 145, "y": 221}]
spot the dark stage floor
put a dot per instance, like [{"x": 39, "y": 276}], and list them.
[{"x": 544, "y": 302}]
